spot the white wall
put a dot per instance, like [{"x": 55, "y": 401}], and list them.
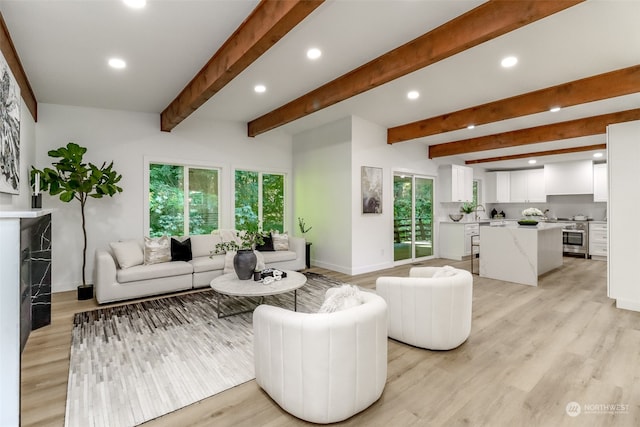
[
  {"x": 323, "y": 193},
  {"x": 27, "y": 158},
  {"x": 128, "y": 138},
  {"x": 327, "y": 164}
]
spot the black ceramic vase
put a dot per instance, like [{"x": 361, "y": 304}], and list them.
[{"x": 244, "y": 263}]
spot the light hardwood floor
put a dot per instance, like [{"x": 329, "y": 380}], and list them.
[{"x": 531, "y": 352}]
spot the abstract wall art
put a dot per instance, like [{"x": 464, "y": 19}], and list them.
[
  {"x": 371, "y": 181},
  {"x": 9, "y": 130}
]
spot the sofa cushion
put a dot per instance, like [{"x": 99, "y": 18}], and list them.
[
  {"x": 278, "y": 256},
  {"x": 154, "y": 271},
  {"x": 204, "y": 244},
  {"x": 128, "y": 253},
  {"x": 181, "y": 250},
  {"x": 280, "y": 241},
  {"x": 156, "y": 250},
  {"x": 204, "y": 263},
  {"x": 267, "y": 246}
]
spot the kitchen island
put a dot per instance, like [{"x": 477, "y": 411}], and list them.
[{"x": 519, "y": 254}]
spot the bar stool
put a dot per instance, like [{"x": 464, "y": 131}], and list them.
[{"x": 475, "y": 243}]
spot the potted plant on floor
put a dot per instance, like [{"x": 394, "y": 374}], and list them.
[
  {"x": 304, "y": 229},
  {"x": 73, "y": 179}
]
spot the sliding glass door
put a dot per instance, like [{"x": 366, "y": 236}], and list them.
[{"x": 412, "y": 217}]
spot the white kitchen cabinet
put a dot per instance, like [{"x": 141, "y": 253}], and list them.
[
  {"x": 598, "y": 240},
  {"x": 600, "y": 186},
  {"x": 569, "y": 178},
  {"x": 497, "y": 187},
  {"x": 456, "y": 183},
  {"x": 455, "y": 239},
  {"x": 623, "y": 157},
  {"x": 527, "y": 186}
]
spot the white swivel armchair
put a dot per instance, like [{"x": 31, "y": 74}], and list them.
[
  {"x": 322, "y": 367},
  {"x": 426, "y": 311}
]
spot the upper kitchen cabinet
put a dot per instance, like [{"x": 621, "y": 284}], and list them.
[
  {"x": 569, "y": 178},
  {"x": 600, "y": 186},
  {"x": 497, "y": 187},
  {"x": 527, "y": 186},
  {"x": 456, "y": 183}
]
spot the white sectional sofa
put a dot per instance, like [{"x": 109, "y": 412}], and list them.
[{"x": 114, "y": 283}]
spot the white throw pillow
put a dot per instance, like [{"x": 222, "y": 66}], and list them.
[
  {"x": 280, "y": 241},
  {"x": 127, "y": 253},
  {"x": 157, "y": 250},
  {"x": 341, "y": 298},
  {"x": 446, "y": 271}
]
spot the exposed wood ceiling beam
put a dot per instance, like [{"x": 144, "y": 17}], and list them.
[
  {"x": 264, "y": 27},
  {"x": 595, "y": 88},
  {"x": 485, "y": 22},
  {"x": 557, "y": 131},
  {"x": 539, "y": 154},
  {"x": 11, "y": 56}
]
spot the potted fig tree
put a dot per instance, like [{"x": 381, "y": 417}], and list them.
[{"x": 71, "y": 178}]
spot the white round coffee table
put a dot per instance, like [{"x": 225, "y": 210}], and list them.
[{"x": 230, "y": 285}]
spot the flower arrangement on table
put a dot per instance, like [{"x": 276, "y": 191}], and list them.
[{"x": 532, "y": 212}]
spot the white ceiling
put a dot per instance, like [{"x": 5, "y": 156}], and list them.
[{"x": 64, "y": 46}]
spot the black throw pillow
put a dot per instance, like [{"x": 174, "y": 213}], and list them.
[
  {"x": 181, "y": 251},
  {"x": 267, "y": 246}
]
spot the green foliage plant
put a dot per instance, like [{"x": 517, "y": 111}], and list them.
[
  {"x": 303, "y": 226},
  {"x": 71, "y": 178},
  {"x": 467, "y": 208},
  {"x": 248, "y": 240}
]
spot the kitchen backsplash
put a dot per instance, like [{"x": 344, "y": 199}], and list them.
[{"x": 559, "y": 207}]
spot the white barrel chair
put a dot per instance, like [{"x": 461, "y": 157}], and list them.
[
  {"x": 322, "y": 367},
  {"x": 431, "y": 308}
]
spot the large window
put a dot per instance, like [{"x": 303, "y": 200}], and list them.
[
  {"x": 259, "y": 201},
  {"x": 183, "y": 200}
]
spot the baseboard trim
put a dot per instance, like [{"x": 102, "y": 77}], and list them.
[{"x": 628, "y": 305}]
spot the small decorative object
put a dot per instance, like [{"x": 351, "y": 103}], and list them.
[
  {"x": 73, "y": 179},
  {"x": 36, "y": 197},
  {"x": 456, "y": 217},
  {"x": 303, "y": 227},
  {"x": 467, "y": 208},
  {"x": 532, "y": 214},
  {"x": 528, "y": 222},
  {"x": 371, "y": 185},
  {"x": 257, "y": 275},
  {"x": 245, "y": 260}
]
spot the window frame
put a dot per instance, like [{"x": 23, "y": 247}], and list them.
[
  {"x": 148, "y": 161},
  {"x": 261, "y": 172}
]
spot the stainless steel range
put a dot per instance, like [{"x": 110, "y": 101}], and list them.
[{"x": 575, "y": 237}]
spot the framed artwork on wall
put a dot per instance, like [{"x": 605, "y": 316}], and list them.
[
  {"x": 371, "y": 183},
  {"x": 9, "y": 130}
]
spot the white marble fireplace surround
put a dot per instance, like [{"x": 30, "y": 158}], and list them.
[{"x": 520, "y": 254}]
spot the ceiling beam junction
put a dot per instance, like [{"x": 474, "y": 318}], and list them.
[
  {"x": 602, "y": 86},
  {"x": 586, "y": 126},
  {"x": 263, "y": 28},
  {"x": 485, "y": 22},
  {"x": 539, "y": 154}
]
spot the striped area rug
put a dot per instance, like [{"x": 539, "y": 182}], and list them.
[{"x": 132, "y": 363}]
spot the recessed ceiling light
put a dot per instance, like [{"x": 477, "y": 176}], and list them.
[
  {"x": 532, "y": 161},
  {"x": 509, "y": 61},
  {"x": 471, "y": 127},
  {"x": 135, "y": 4},
  {"x": 597, "y": 154},
  {"x": 555, "y": 109},
  {"x": 117, "y": 63},
  {"x": 413, "y": 94},
  {"x": 314, "y": 53},
  {"x": 260, "y": 88}
]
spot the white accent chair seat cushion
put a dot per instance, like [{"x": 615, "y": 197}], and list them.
[
  {"x": 426, "y": 311},
  {"x": 322, "y": 367}
]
